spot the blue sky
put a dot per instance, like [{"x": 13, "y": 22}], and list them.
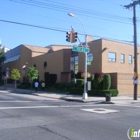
[{"x": 101, "y": 18}]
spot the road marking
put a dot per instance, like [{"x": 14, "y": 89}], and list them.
[
  {"x": 100, "y": 110},
  {"x": 61, "y": 106}
]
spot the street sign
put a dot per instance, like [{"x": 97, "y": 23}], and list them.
[
  {"x": 88, "y": 63},
  {"x": 81, "y": 49}
]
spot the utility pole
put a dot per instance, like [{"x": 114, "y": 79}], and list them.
[{"x": 135, "y": 43}]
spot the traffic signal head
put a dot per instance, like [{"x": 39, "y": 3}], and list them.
[
  {"x": 68, "y": 34},
  {"x": 73, "y": 37}
]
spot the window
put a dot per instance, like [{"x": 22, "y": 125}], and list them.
[
  {"x": 45, "y": 65},
  {"x": 112, "y": 57},
  {"x": 130, "y": 59},
  {"x": 122, "y": 58},
  {"x": 76, "y": 64},
  {"x": 35, "y": 65}
]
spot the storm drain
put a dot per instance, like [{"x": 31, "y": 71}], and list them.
[{"x": 100, "y": 110}]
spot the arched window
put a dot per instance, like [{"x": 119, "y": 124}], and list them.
[
  {"x": 35, "y": 65},
  {"x": 45, "y": 65}
]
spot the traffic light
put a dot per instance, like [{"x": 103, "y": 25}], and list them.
[
  {"x": 68, "y": 34},
  {"x": 135, "y": 76},
  {"x": 73, "y": 37}
]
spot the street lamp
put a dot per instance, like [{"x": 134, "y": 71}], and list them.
[{"x": 85, "y": 96}]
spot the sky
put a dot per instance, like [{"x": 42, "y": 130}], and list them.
[{"x": 45, "y": 22}]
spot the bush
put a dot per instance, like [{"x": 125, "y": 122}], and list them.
[
  {"x": 10, "y": 81},
  {"x": 77, "y": 91},
  {"x": 79, "y": 75},
  {"x": 106, "y": 82},
  {"x": 79, "y": 82},
  {"x": 98, "y": 81},
  {"x": 102, "y": 93},
  {"x": 22, "y": 86},
  {"x": 63, "y": 86}
]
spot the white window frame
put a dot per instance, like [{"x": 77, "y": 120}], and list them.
[
  {"x": 111, "y": 58},
  {"x": 122, "y": 58},
  {"x": 130, "y": 60}
]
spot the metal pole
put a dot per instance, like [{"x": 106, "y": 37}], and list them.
[
  {"x": 85, "y": 95},
  {"x": 135, "y": 50}
]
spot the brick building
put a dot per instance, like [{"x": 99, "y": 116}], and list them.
[{"x": 105, "y": 56}]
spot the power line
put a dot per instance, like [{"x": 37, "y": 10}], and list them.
[
  {"x": 80, "y": 11},
  {"x": 25, "y": 24},
  {"x": 58, "y": 30}
]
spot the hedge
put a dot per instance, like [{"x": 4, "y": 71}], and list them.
[
  {"x": 76, "y": 90},
  {"x": 79, "y": 82},
  {"x": 102, "y": 93},
  {"x": 94, "y": 92}
]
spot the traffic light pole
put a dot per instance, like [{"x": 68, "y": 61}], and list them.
[
  {"x": 135, "y": 44},
  {"x": 85, "y": 95}
]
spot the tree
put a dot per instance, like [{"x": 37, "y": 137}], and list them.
[
  {"x": 32, "y": 74},
  {"x": 2, "y": 58},
  {"x": 15, "y": 75}
]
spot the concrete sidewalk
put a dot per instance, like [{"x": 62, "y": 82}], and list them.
[{"x": 122, "y": 99}]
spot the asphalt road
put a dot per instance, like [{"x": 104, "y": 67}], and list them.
[{"x": 29, "y": 117}]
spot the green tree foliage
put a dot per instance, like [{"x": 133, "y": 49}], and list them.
[
  {"x": 2, "y": 58},
  {"x": 32, "y": 74},
  {"x": 106, "y": 82},
  {"x": 15, "y": 75}
]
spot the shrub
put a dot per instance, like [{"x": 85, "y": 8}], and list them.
[
  {"x": 68, "y": 85},
  {"x": 79, "y": 75},
  {"x": 78, "y": 91},
  {"x": 10, "y": 81},
  {"x": 91, "y": 78},
  {"x": 60, "y": 86},
  {"x": 106, "y": 82},
  {"x": 22, "y": 86},
  {"x": 102, "y": 93},
  {"x": 98, "y": 81},
  {"x": 79, "y": 82}
]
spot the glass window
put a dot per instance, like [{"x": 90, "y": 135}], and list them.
[
  {"x": 35, "y": 65},
  {"x": 76, "y": 64},
  {"x": 45, "y": 65},
  {"x": 122, "y": 58},
  {"x": 130, "y": 59},
  {"x": 112, "y": 57}
]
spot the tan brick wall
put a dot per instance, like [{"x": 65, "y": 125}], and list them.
[
  {"x": 117, "y": 66},
  {"x": 57, "y": 62},
  {"x": 96, "y": 65}
]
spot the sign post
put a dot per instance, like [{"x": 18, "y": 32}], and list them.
[{"x": 81, "y": 49}]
